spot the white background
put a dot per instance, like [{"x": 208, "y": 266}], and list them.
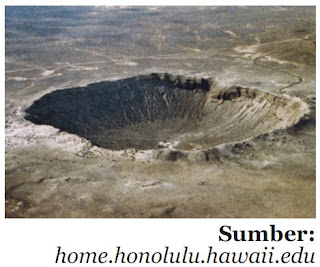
[{"x": 33, "y": 242}]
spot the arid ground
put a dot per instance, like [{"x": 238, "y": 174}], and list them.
[{"x": 151, "y": 112}]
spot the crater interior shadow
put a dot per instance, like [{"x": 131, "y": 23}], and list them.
[{"x": 136, "y": 112}]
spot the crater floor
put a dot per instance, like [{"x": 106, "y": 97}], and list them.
[{"x": 186, "y": 119}]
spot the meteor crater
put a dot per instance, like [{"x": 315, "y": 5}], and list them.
[{"x": 157, "y": 110}]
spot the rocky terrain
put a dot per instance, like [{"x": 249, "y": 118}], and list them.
[{"x": 160, "y": 112}]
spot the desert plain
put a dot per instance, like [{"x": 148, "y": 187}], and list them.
[{"x": 160, "y": 112}]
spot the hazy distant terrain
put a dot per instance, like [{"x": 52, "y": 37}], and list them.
[{"x": 169, "y": 112}]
